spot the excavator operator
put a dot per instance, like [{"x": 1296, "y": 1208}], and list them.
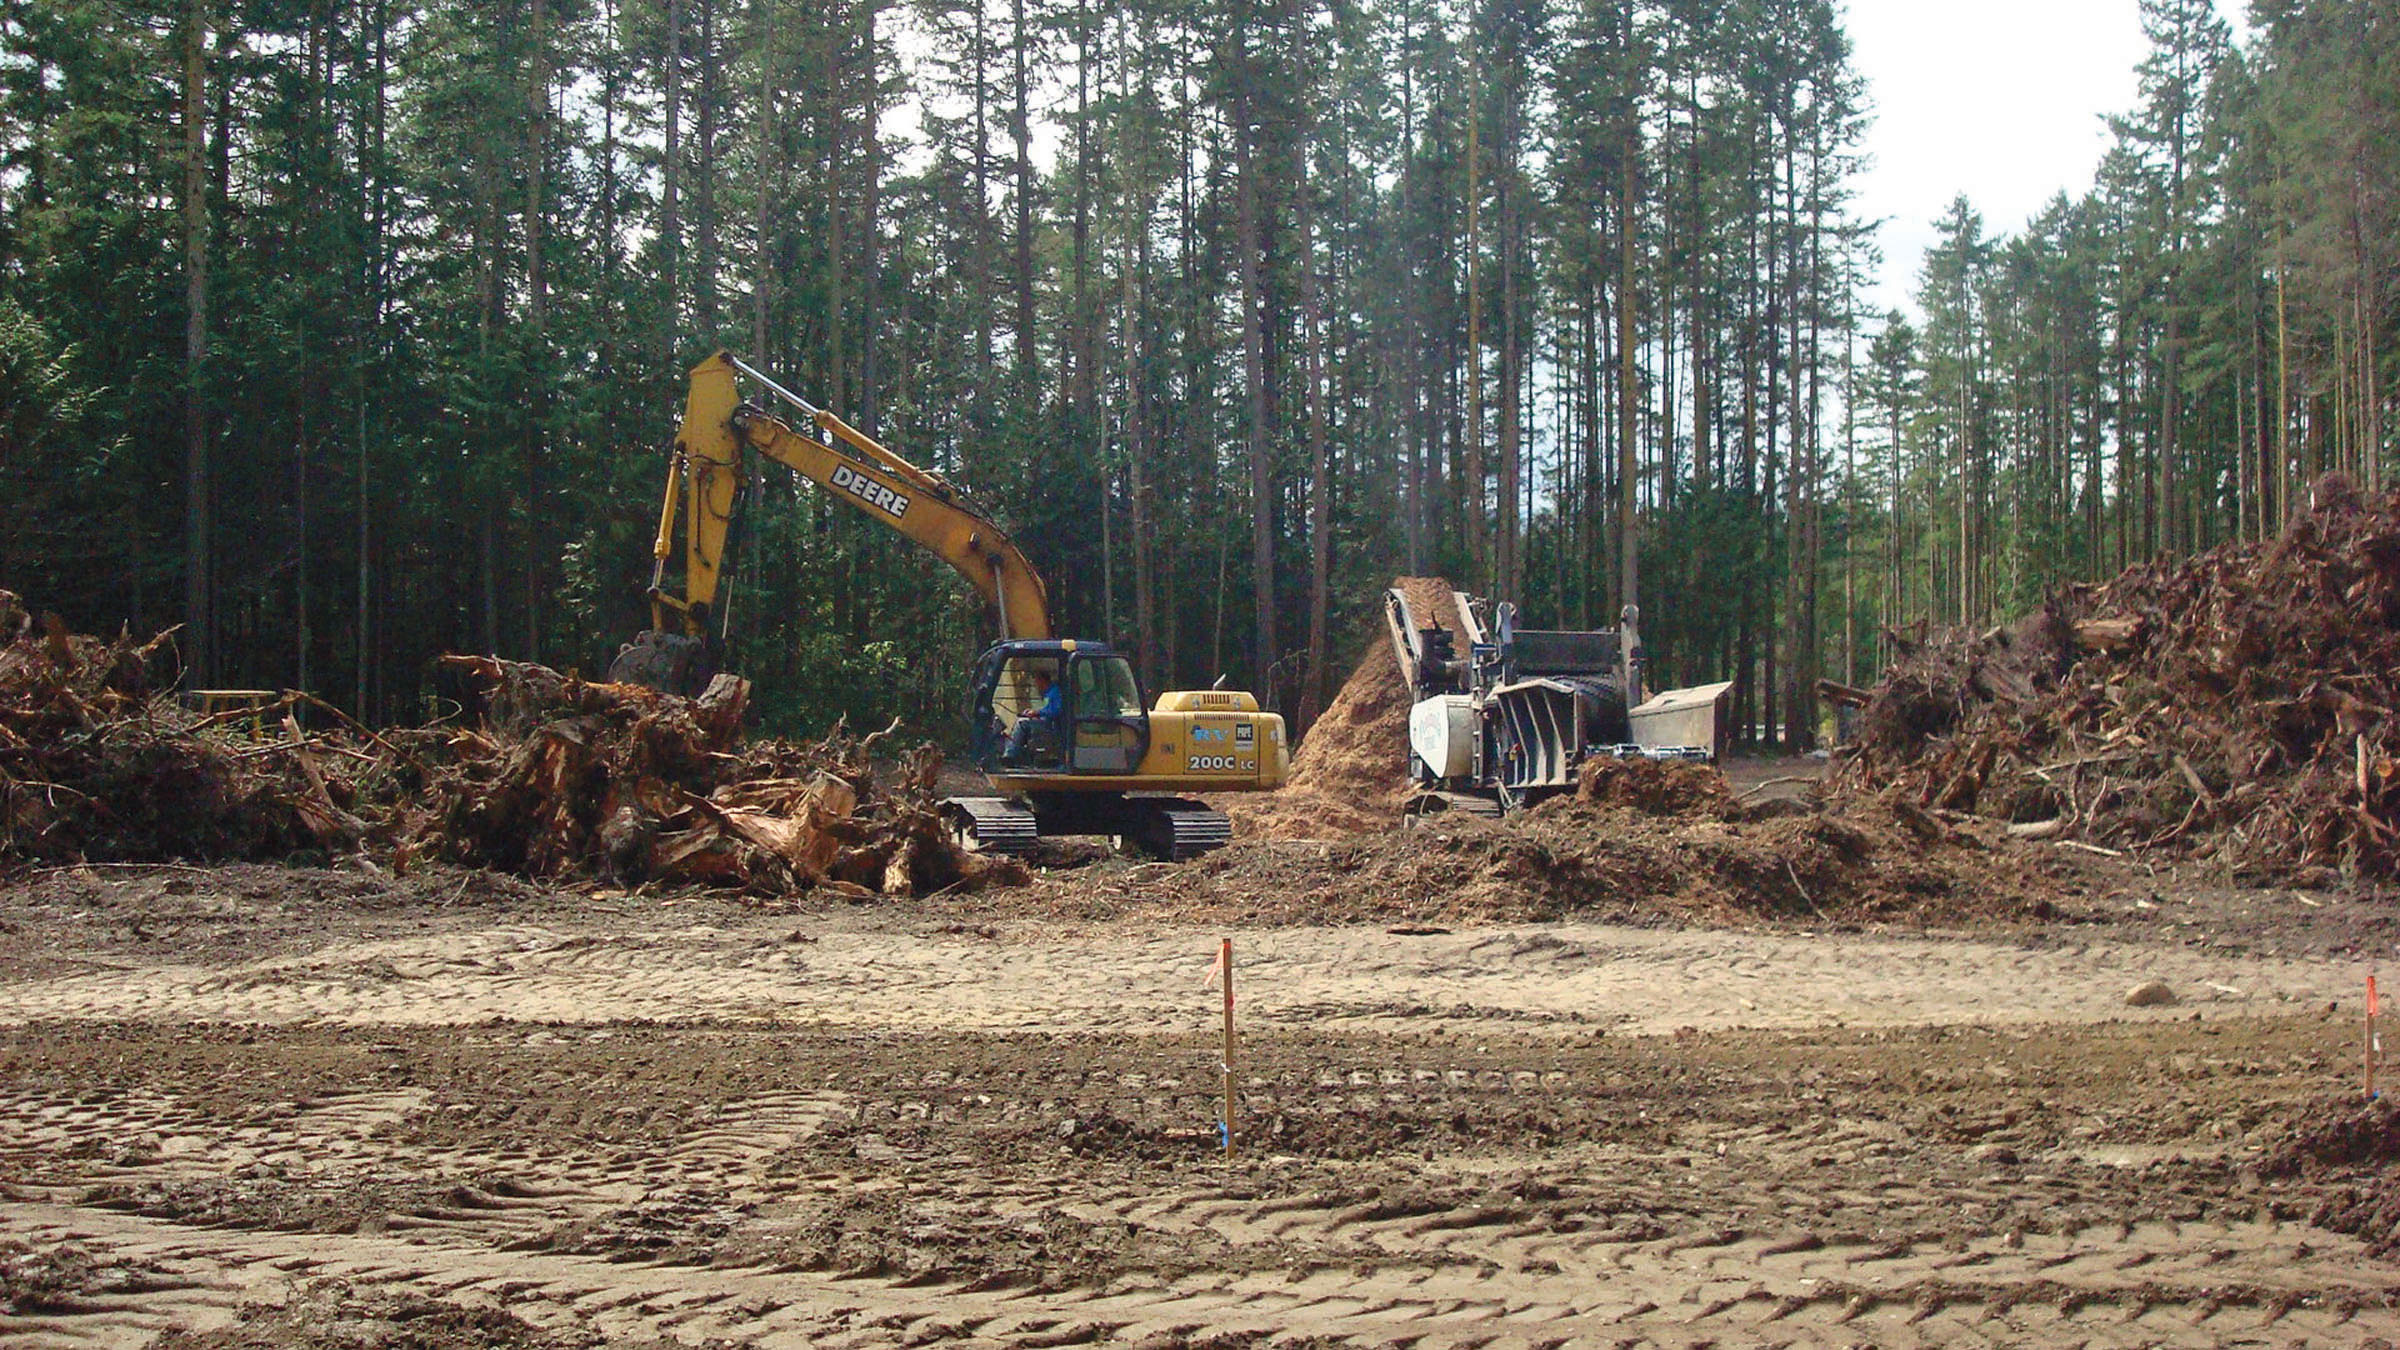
[{"x": 1038, "y": 734}]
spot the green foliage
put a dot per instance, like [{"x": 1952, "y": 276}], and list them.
[
  {"x": 1528, "y": 273},
  {"x": 2165, "y": 362}
]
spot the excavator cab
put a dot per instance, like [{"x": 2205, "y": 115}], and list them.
[{"x": 1057, "y": 707}]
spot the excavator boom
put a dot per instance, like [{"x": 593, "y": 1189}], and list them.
[{"x": 854, "y": 467}]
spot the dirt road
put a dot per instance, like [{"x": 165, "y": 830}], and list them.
[{"x": 253, "y": 1108}]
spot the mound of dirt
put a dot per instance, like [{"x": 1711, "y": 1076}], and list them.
[
  {"x": 2351, "y": 1134},
  {"x": 2359, "y": 1140},
  {"x": 2237, "y": 706},
  {"x": 1717, "y": 862},
  {"x": 1350, "y": 773}
]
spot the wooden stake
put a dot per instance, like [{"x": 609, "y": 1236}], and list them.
[
  {"x": 1225, "y": 969},
  {"x": 2373, "y": 1048}
]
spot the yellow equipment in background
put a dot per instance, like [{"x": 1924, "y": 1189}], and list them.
[{"x": 1058, "y": 725}]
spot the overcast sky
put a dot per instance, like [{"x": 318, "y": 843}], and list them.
[{"x": 2000, "y": 101}]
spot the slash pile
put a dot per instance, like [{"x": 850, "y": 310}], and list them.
[
  {"x": 568, "y": 775},
  {"x": 2237, "y": 706},
  {"x": 92, "y": 767},
  {"x": 562, "y": 778}
]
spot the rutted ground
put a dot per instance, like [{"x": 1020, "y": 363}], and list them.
[
  {"x": 811, "y": 1188},
  {"x": 1022, "y": 977},
  {"x": 528, "y": 1117}
]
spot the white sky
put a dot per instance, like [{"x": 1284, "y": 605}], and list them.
[{"x": 2000, "y": 101}]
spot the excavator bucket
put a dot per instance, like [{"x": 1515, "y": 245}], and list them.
[{"x": 672, "y": 663}]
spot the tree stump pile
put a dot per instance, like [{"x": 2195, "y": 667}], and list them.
[
  {"x": 2236, "y": 706},
  {"x": 95, "y": 767},
  {"x": 555, "y": 778},
  {"x": 567, "y": 777}
]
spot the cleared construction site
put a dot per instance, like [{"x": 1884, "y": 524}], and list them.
[{"x": 2035, "y": 1016}]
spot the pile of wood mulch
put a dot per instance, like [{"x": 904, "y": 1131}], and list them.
[
  {"x": 2235, "y": 707},
  {"x": 1349, "y": 774},
  {"x": 1641, "y": 842}
]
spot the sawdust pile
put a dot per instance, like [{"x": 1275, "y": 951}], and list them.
[
  {"x": 1350, "y": 773},
  {"x": 2237, "y": 707},
  {"x": 1647, "y": 842}
]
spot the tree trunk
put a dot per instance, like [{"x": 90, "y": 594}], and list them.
[
  {"x": 1020, "y": 124},
  {"x": 1509, "y": 570},
  {"x": 670, "y": 224},
  {"x": 979, "y": 270},
  {"x": 762, "y": 284},
  {"x": 537, "y": 326},
  {"x": 199, "y": 650},
  {"x": 1320, "y": 488},
  {"x": 836, "y": 194},
  {"x": 1629, "y": 566},
  {"x": 704, "y": 227},
  {"x": 1470, "y": 490},
  {"x": 1254, "y": 369}
]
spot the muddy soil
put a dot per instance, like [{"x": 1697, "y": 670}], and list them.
[{"x": 257, "y": 1107}]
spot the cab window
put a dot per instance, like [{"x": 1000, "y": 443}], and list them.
[
  {"x": 1104, "y": 688},
  {"x": 1018, "y": 692}
]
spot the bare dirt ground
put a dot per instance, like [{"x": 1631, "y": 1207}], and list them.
[{"x": 252, "y": 1106}]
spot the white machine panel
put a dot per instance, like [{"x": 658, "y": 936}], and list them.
[
  {"x": 1683, "y": 717},
  {"x": 1442, "y": 732}
]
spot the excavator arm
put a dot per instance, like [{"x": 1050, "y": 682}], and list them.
[{"x": 860, "y": 472}]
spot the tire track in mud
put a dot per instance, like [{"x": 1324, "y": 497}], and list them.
[
  {"x": 643, "y": 1182},
  {"x": 2152, "y": 1285},
  {"x": 1031, "y": 977}
]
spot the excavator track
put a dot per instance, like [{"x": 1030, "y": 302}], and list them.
[
  {"x": 1167, "y": 828},
  {"x": 1186, "y": 829},
  {"x": 992, "y": 824}
]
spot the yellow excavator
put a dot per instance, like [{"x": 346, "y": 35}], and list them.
[{"x": 1058, "y": 725}]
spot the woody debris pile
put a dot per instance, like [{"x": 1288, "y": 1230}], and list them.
[
  {"x": 94, "y": 766},
  {"x": 566, "y": 776},
  {"x": 2234, "y": 707},
  {"x": 557, "y": 778}
]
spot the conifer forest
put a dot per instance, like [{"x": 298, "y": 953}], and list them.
[{"x": 343, "y": 333}]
